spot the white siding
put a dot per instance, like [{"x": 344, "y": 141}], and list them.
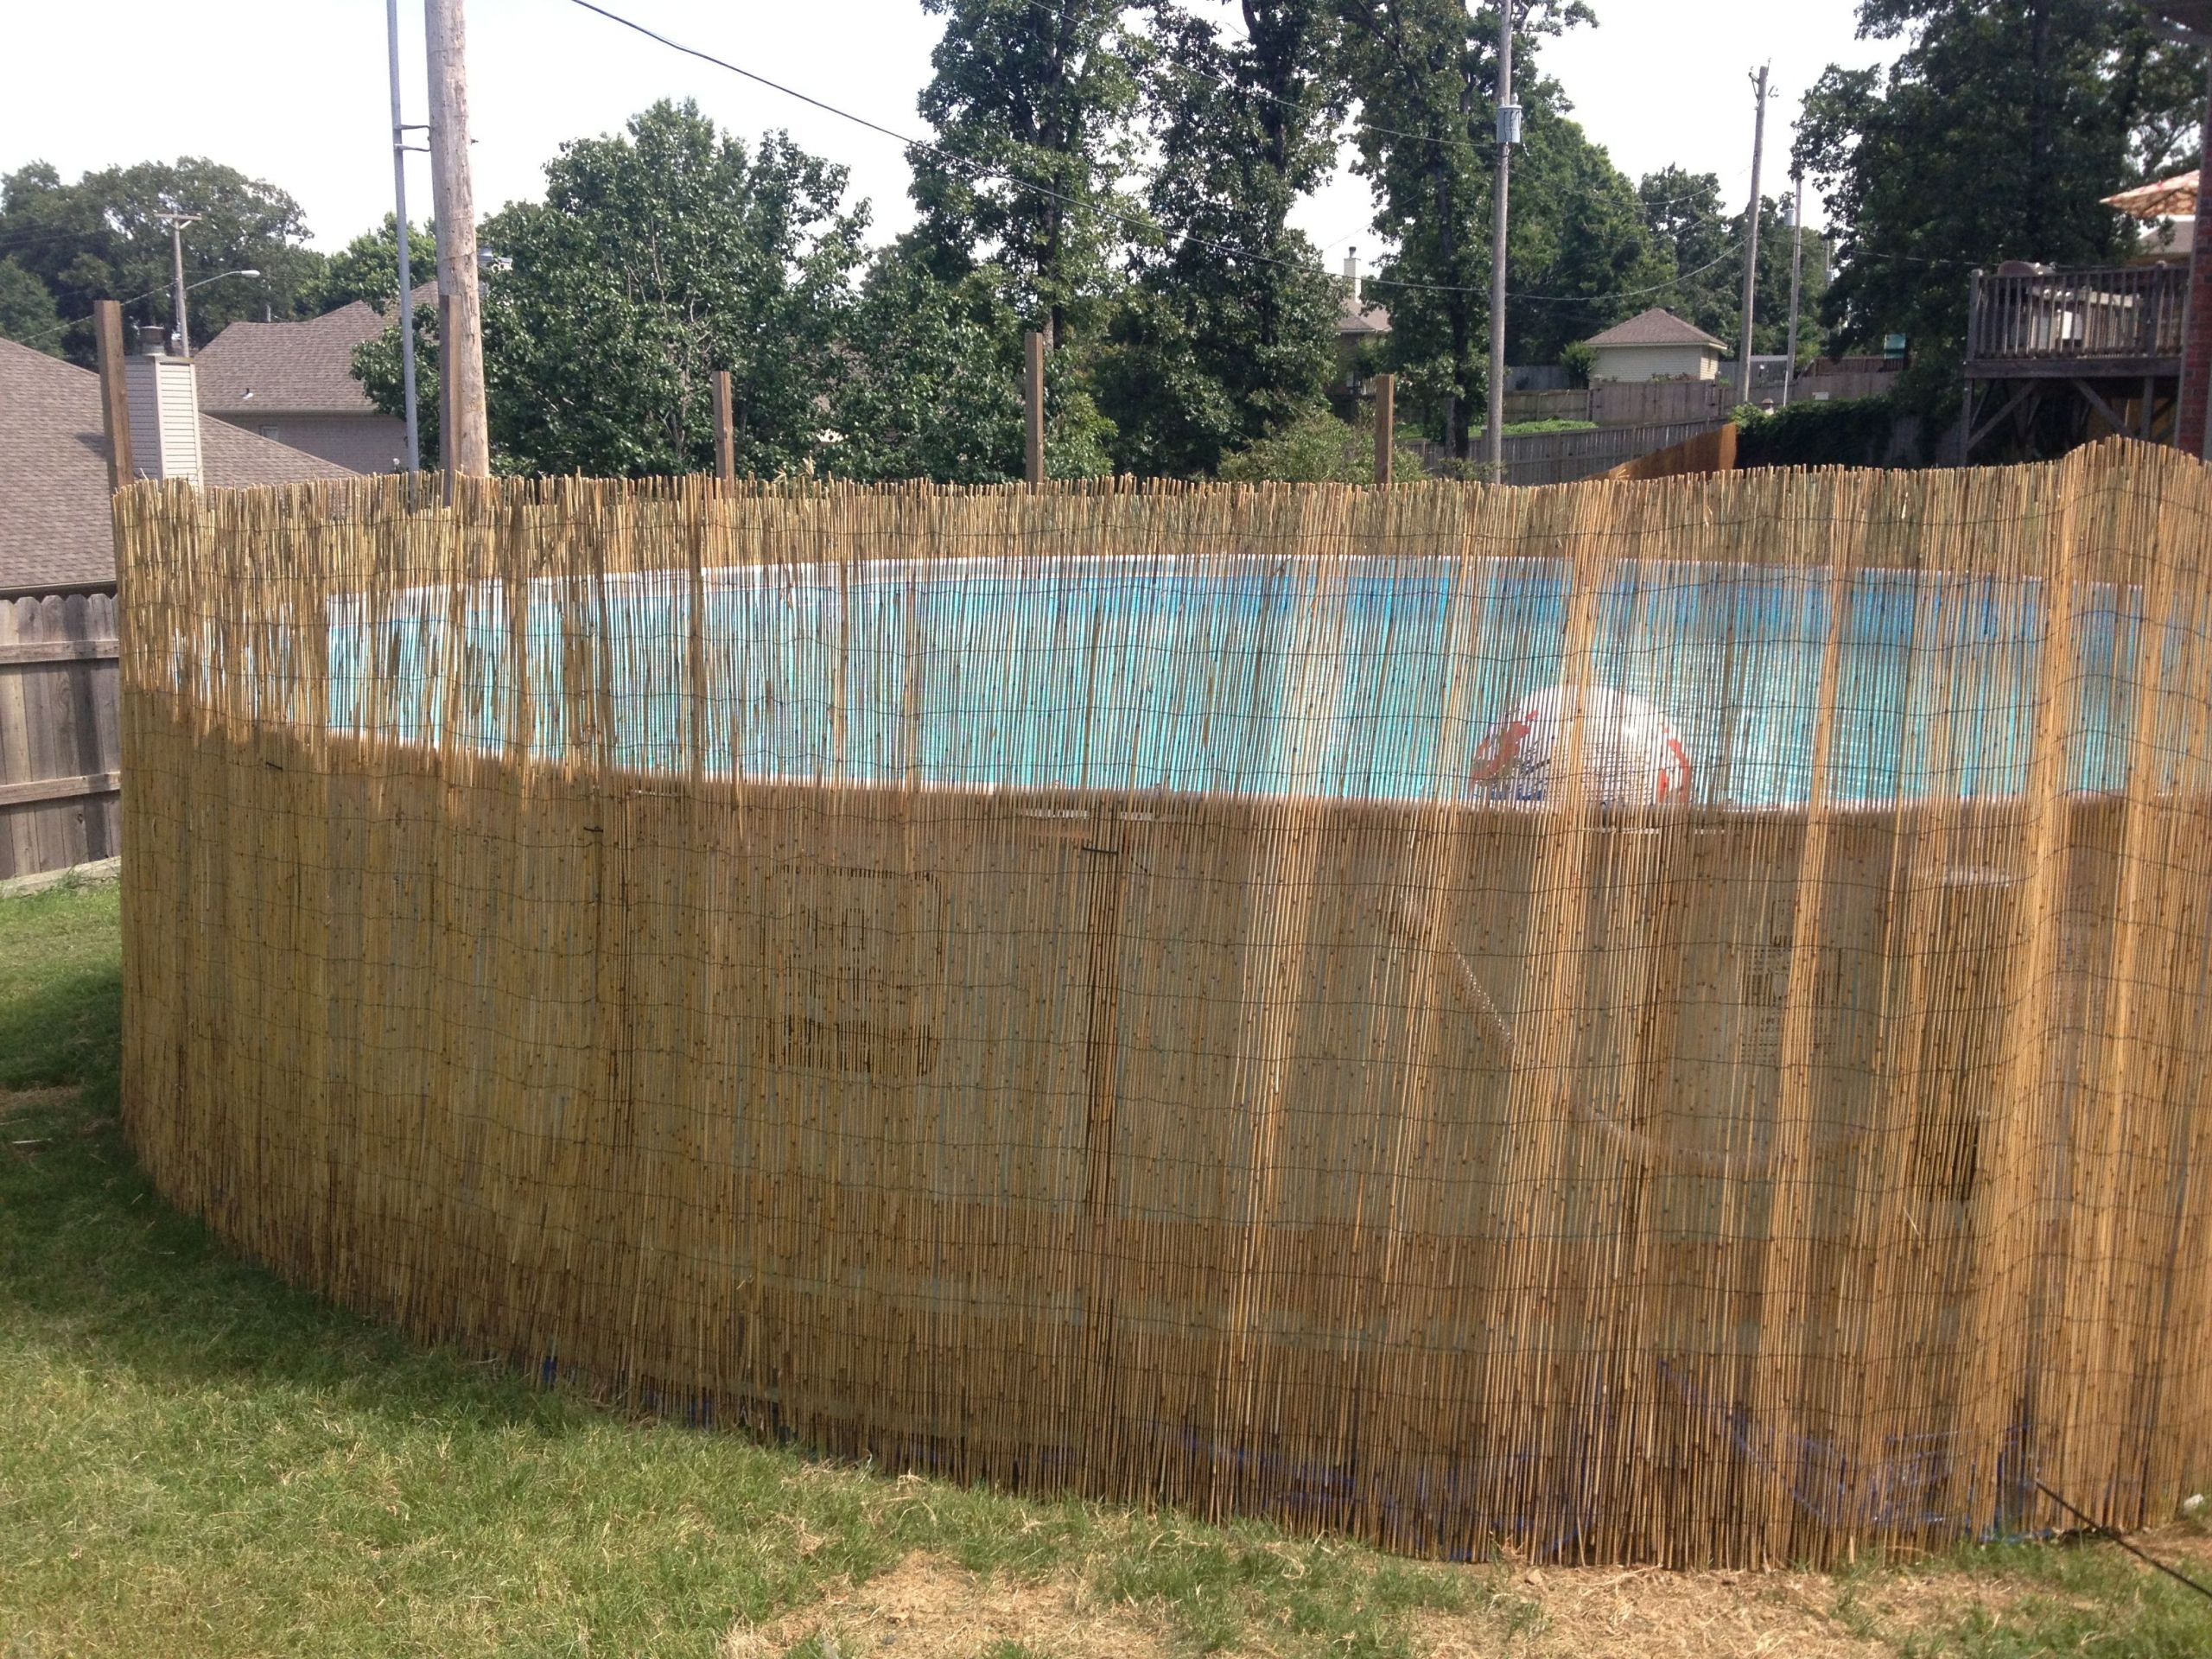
[
  {"x": 164, "y": 417},
  {"x": 1656, "y": 363}
]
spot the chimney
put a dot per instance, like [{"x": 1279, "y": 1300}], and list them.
[
  {"x": 1351, "y": 271},
  {"x": 164, "y": 411}
]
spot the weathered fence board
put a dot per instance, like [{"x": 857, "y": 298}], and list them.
[{"x": 60, "y": 747}]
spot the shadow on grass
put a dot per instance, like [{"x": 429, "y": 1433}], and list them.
[{"x": 92, "y": 1260}]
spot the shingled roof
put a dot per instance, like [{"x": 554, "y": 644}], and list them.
[
  {"x": 1657, "y": 327},
  {"x": 292, "y": 368},
  {"x": 54, "y": 532}
]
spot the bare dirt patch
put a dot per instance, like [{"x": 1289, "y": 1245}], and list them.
[
  {"x": 14, "y": 1102},
  {"x": 1599, "y": 1613},
  {"x": 924, "y": 1608}
]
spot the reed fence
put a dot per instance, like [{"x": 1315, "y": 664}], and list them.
[{"x": 1023, "y": 985}]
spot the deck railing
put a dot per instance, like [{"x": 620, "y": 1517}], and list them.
[{"x": 2131, "y": 312}]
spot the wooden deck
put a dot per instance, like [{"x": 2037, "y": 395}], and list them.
[{"x": 2119, "y": 323}]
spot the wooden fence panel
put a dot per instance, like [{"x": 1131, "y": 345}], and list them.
[
  {"x": 1652, "y": 402},
  {"x": 60, "y": 754}
]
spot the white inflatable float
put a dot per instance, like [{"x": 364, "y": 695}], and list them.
[{"x": 1632, "y": 755}]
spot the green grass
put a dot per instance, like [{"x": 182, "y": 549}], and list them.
[
  {"x": 197, "y": 1459},
  {"x": 2083, "y": 1596}
]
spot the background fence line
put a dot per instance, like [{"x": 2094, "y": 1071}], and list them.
[
  {"x": 59, "y": 740},
  {"x": 1032, "y": 985}
]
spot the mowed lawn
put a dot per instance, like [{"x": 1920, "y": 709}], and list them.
[{"x": 196, "y": 1459}]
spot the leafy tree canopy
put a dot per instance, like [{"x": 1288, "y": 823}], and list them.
[
  {"x": 367, "y": 268},
  {"x": 28, "y": 313},
  {"x": 1032, "y": 104},
  {"x": 1992, "y": 136},
  {"x": 658, "y": 256},
  {"x": 102, "y": 237},
  {"x": 1231, "y": 332},
  {"x": 1703, "y": 243},
  {"x": 1425, "y": 74}
]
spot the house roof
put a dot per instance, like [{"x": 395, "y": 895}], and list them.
[
  {"x": 2193, "y": 14},
  {"x": 1657, "y": 327},
  {"x": 292, "y": 368},
  {"x": 54, "y": 529},
  {"x": 1356, "y": 317}
]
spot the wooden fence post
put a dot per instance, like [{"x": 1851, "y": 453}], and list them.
[
  {"x": 1033, "y": 387},
  {"x": 725, "y": 436},
  {"x": 1386, "y": 399}
]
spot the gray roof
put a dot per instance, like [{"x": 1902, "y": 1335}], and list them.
[
  {"x": 54, "y": 529},
  {"x": 1360, "y": 317},
  {"x": 292, "y": 368},
  {"x": 1658, "y": 327}
]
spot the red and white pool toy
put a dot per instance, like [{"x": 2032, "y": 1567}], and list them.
[{"x": 1632, "y": 755}]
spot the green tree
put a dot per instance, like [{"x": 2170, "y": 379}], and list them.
[
  {"x": 1992, "y": 136},
  {"x": 1425, "y": 74},
  {"x": 932, "y": 386},
  {"x": 367, "y": 268},
  {"x": 932, "y": 383},
  {"x": 28, "y": 313},
  {"x": 1032, "y": 105},
  {"x": 659, "y": 255},
  {"x": 1230, "y": 333},
  {"x": 1703, "y": 243},
  {"x": 1579, "y": 256},
  {"x": 103, "y": 237}
]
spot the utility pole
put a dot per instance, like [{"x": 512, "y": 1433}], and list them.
[
  {"x": 1509, "y": 134},
  {"x": 399, "y": 146},
  {"x": 460, "y": 332},
  {"x": 1033, "y": 398},
  {"x": 1751, "y": 244},
  {"x": 1796, "y": 279},
  {"x": 177, "y": 222}
]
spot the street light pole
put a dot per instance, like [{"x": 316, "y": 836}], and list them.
[
  {"x": 177, "y": 222},
  {"x": 1796, "y": 283},
  {"x": 406, "y": 277}
]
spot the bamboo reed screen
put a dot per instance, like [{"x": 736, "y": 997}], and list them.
[{"x": 1022, "y": 985}]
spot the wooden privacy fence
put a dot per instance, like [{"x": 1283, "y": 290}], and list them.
[
  {"x": 1567, "y": 457},
  {"x": 1050, "y": 986},
  {"x": 60, "y": 746}
]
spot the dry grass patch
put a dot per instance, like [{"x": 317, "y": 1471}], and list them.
[{"x": 925, "y": 1608}]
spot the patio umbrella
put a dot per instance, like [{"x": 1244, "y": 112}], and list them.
[{"x": 2174, "y": 198}]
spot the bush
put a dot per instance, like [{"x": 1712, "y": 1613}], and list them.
[
  {"x": 1318, "y": 448},
  {"x": 1855, "y": 432}
]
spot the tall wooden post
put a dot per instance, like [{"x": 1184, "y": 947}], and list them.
[
  {"x": 445, "y": 384},
  {"x": 725, "y": 433},
  {"x": 1033, "y": 393},
  {"x": 1386, "y": 414},
  {"x": 1509, "y": 134},
  {"x": 1752, "y": 242},
  {"x": 467, "y": 442},
  {"x": 115, "y": 403}
]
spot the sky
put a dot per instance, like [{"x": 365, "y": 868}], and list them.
[{"x": 296, "y": 92}]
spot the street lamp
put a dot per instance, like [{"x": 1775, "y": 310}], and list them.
[{"x": 184, "y": 339}]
